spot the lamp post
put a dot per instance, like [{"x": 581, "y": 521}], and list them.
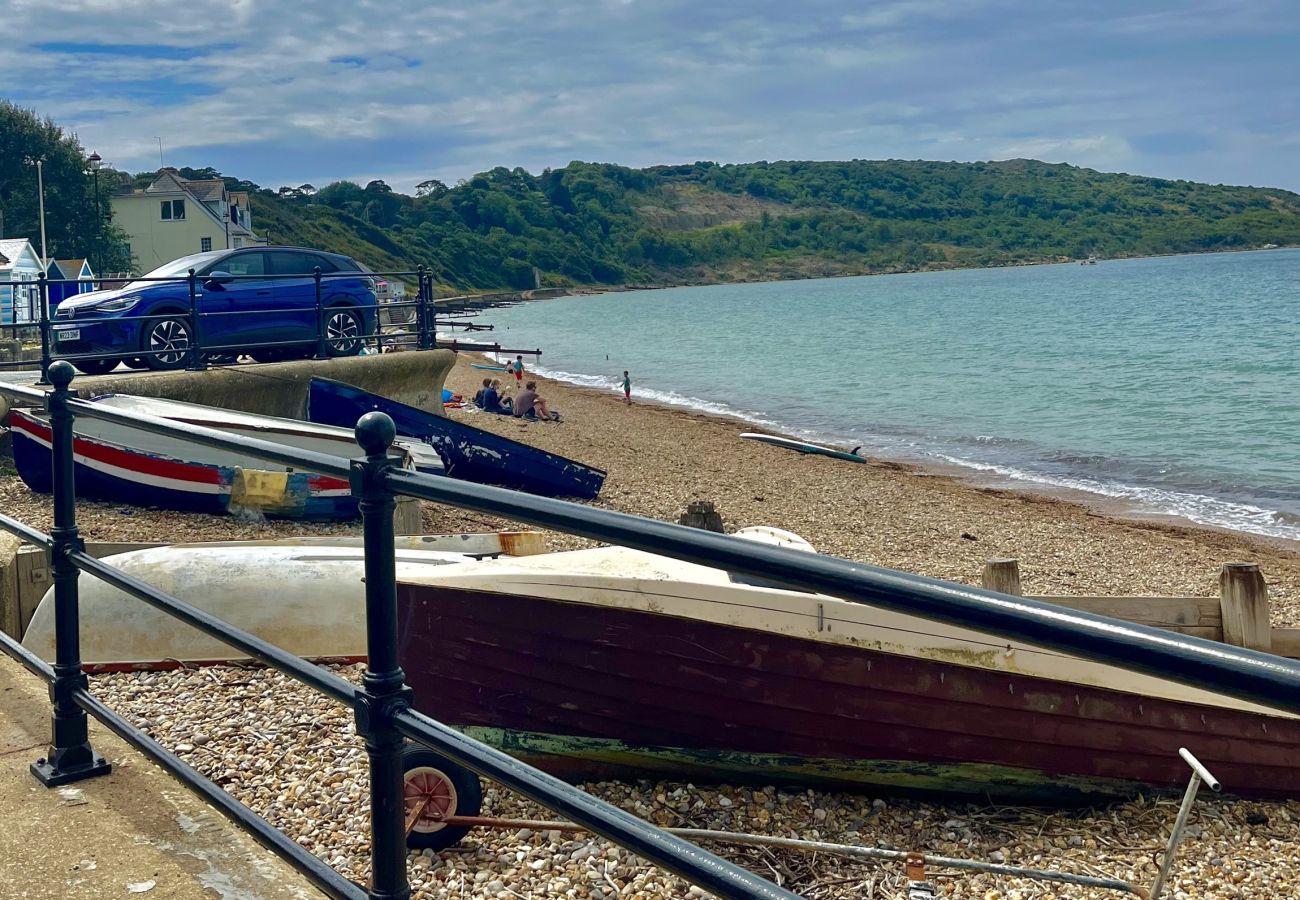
[{"x": 94, "y": 161}]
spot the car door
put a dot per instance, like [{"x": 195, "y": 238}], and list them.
[
  {"x": 295, "y": 292},
  {"x": 237, "y": 311}
]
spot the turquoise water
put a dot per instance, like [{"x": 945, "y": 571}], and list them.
[{"x": 1172, "y": 384}]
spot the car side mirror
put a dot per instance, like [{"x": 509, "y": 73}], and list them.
[{"x": 216, "y": 279}]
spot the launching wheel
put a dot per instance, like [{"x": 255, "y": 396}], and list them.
[{"x": 435, "y": 787}]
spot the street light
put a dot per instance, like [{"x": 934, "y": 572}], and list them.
[{"x": 94, "y": 161}]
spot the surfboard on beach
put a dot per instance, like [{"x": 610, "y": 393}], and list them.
[
  {"x": 802, "y": 446},
  {"x": 489, "y": 368}
]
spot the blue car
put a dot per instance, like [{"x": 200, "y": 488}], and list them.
[{"x": 241, "y": 310}]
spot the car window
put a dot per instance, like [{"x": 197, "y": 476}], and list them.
[
  {"x": 292, "y": 263},
  {"x": 242, "y": 264}
]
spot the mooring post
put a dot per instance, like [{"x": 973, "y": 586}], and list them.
[
  {"x": 1002, "y": 575},
  {"x": 70, "y": 757},
  {"x": 384, "y": 692}
]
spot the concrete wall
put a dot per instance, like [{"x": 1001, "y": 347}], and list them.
[{"x": 280, "y": 389}]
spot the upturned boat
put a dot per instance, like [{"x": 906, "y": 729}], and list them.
[
  {"x": 469, "y": 453},
  {"x": 306, "y": 595},
  {"x": 122, "y": 464},
  {"x": 609, "y": 662}
]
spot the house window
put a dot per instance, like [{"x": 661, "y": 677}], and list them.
[
  {"x": 173, "y": 210},
  {"x": 239, "y": 242},
  {"x": 205, "y": 245}
]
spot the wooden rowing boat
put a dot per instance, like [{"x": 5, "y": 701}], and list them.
[
  {"x": 469, "y": 453},
  {"x": 123, "y": 464},
  {"x": 608, "y": 662}
]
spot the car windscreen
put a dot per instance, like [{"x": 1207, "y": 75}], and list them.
[{"x": 177, "y": 268}]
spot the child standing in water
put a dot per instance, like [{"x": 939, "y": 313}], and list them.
[{"x": 627, "y": 388}]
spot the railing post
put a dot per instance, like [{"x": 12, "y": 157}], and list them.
[
  {"x": 70, "y": 757},
  {"x": 322, "y": 352},
  {"x": 197, "y": 361},
  {"x": 384, "y": 692},
  {"x": 422, "y": 311},
  {"x": 44, "y": 289}
]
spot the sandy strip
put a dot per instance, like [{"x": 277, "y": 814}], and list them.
[{"x": 661, "y": 458}]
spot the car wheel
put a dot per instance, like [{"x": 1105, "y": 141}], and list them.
[
  {"x": 433, "y": 787},
  {"x": 168, "y": 340},
  {"x": 95, "y": 366},
  {"x": 343, "y": 331}
]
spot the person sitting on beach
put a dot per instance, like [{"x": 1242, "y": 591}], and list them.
[
  {"x": 504, "y": 403},
  {"x": 478, "y": 397},
  {"x": 527, "y": 403},
  {"x": 492, "y": 401}
]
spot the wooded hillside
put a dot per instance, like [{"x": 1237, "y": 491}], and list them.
[{"x": 598, "y": 223}]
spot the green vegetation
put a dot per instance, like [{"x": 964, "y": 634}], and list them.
[
  {"x": 591, "y": 223},
  {"x": 70, "y": 225}
]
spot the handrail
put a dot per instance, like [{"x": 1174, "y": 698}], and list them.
[
  {"x": 194, "y": 351},
  {"x": 380, "y": 705},
  {"x": 1236, "y": 672}
]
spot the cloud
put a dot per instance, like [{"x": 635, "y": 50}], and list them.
[{"x": 408, "y": 89}]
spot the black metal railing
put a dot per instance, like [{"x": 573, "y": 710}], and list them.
[
  {"x": 411, "y": 323},
  {"x": 382, "y": 704}
]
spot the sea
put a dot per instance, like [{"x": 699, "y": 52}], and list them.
[{"x": 1165, "y": 386}]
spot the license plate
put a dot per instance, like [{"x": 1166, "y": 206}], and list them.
[{"x": 71, "y": 334}]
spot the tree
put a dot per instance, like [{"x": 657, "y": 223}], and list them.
[
  {"x": 431, "y": 188},
  {"x": 71, "y": 226}
]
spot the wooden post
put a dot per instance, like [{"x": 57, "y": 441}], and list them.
[
  {"x": 1003, "y": 576},
  {"x": 1243, "y": 598},
  {"x": 701, "y": 514},
  {"x": 406, "y": 516}
]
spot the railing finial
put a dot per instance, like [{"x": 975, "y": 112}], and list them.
[
  {"x": 375, "y": 433},
  {"x": 61, "y": 374}
]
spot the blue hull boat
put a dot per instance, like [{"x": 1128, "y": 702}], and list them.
[{"x": 469, "y": 453}]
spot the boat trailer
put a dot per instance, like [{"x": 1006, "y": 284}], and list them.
[{"x": 915, "y": 863}]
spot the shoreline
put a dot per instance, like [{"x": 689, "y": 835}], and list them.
[
  {"x": 973, "y": 475},
  {"x": 942, "y": 521}
]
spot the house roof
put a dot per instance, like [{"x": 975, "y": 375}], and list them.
[{"x": 208, "y": 189}]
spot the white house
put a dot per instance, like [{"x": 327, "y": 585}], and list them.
[
  {"x": 175, "y": 216},
  {"x": 20, "y": 303}
]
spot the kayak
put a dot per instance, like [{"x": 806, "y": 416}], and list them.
[
  {"x": 803, "y": 446},
  {"x": 487, "y": 367}
]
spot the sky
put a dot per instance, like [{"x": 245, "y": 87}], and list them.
[{"x": 313, "y": 92}]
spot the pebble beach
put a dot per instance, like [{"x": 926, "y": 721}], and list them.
[{"x": 295, "y": 758}]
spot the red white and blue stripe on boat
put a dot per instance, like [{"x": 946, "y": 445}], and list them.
[{"x": 118, "y": 474}]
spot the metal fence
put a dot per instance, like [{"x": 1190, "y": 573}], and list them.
[
  {"x": 383, "y": 703},
  {"x": 410, "y": 325}
]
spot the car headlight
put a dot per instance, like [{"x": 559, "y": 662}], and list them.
[{"x": 116, "y": 305}]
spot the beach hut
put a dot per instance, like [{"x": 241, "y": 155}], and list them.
[
  {"x": 66, "y": 271},
  {"x": 20, "y": 267}
]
